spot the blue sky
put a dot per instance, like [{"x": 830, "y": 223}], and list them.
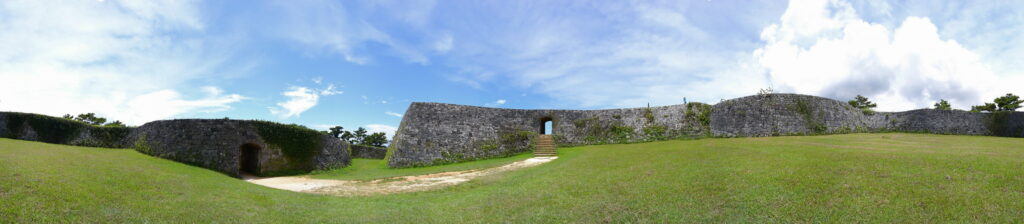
[{"x": 361, "y": 63}]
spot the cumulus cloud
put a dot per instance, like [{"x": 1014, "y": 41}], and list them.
[
  {"x": 499, "y": 102},
  {"x": 822, "y": 47},
  {"x": 388, "y": 130},
  {"x": 122, "y": 60}
]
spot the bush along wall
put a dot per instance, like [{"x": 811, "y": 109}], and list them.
[{"x": 37, "y": 127}]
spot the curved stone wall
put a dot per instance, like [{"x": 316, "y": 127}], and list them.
[
  {"x": 437, "y": 133},
  {"x": 789, "y": 114},
  {"x": 213, "y": 144},
  {"x": 216, "y": 144}
]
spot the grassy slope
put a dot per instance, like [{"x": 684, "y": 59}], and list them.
[
  {"x": 369, "y": 169},
  {"x": 890, "y": 178}
]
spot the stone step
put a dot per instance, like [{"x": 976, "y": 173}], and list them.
[{"x": 545, "y": 146}]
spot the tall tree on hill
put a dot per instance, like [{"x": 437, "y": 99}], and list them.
[
  {"x": 91, "y": 118},
  {"x": 347, "y": 136},
  {"x": 336, "y": 131},
  {"x": 987, "y": 107},
  {"x": 1009, "y": 102},
  {"x": 943, "y": 105},
  {"x": 376, "y": 139},
  {"x": 359, "y": 135},
  {"x": 862, "y": 103}
]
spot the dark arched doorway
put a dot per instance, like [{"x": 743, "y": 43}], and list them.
[
  {"x": 249, "y": 160},
  {"x": 546, "y": 126}
]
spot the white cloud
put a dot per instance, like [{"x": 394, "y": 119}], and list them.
[
  {"x": 500, "y": 102},
  {"x": 299, "y": 100},
  {"x": 393, "y": 114},
  {"x": 323, "y": 127},
  {"x": 387, "y": 129},
  {"x": 330, "y": 90},
  {"x": 824, "y": 48},
  {"x": 122, "y": 60}
]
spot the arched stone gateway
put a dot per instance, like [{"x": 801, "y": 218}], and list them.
[
  {"x": 546, "y": 126},
  {"x": 249, "y": 159}
]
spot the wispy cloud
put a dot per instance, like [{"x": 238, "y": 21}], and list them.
[{"x": 393, "y": 114}]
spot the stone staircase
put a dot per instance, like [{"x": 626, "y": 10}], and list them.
[{"x": 545, "y": 147}]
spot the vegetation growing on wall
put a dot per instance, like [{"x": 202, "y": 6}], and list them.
[
  {"x": 656, "y": 132},
  {"x": 649, "y": 115},
  {"x": 700, "y": 112},
  {"x": 998, "y": 125},
  {"x": 813, "y": 124},
  {"x": 296, "y": 142},
  {"x": 108, "y": 136},
  {"x": 63, "y": 131},
  {"x": 48, "y": 129}
]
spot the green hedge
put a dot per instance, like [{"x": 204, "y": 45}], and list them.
[{"x": 297, "y": 142}]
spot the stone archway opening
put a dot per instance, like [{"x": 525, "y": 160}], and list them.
[
  {"x": 547, "y": 126},
  {"x": 249, "y": 159}
]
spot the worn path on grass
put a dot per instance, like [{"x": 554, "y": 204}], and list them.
[{"x": 388, "y": 185}]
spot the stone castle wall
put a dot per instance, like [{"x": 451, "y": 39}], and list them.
[
  {"x": 368, "y": 152},
  {"x": 210, "y": 143},
  {"x": 437, "y": 133},
  {"x": 216, "y": 144},
  {"x": 789, "y": 114}
]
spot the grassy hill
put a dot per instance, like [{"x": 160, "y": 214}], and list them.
[{"x": 837, "y": 178}]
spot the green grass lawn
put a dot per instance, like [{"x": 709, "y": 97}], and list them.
[
  {"x": 838, "y": 178},
  {"x": 369, "y": 169}
]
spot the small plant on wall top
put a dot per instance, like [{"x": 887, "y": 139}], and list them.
[{"x": 943, "y": 105}]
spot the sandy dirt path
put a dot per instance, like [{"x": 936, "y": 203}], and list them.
[{"x": 390, "y": 185}]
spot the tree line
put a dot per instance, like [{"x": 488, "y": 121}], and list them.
[
  {"x": 359, "y": 136},
  {"x": 1006, "y": 103}
]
